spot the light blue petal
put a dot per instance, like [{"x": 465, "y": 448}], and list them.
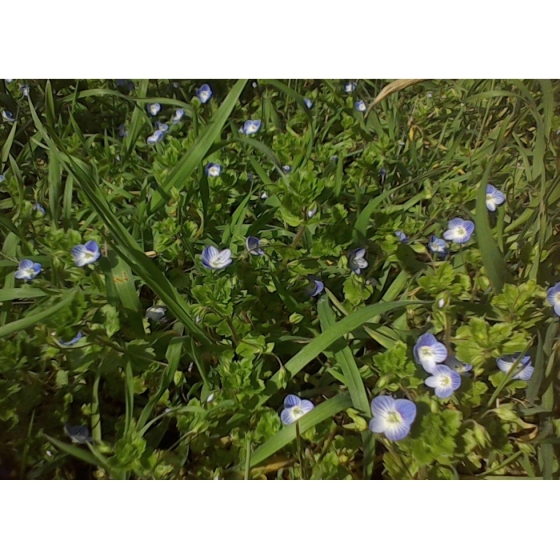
[
  {"x": 292, "y": 400},
  {"x": 382, "y": 405},
  {"x": 306, "y": 406},
  {"x": 377, "y": 424},
  {"x": 286, "y": 417},
  {"x": 444, "y": 392},
  {"x": 396, "y": 432},
  {"x": 407, "y": 409}
]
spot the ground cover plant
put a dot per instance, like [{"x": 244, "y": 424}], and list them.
[{"x": 311, "y": 279}]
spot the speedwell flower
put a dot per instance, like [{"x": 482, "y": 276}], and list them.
[
  {"x": 24, "y": 90},
  {"x": 308, "y": 103},
  {"x": 356, "y": 260},
  {"x": 27, "y": 270},
  {"x": 286, "y": 168},
  {"x": 402, "y": 236},
  {"x": 428, "y": 352},
  {"x": 312, "y": 210},
  {"x": 251, "y": 127},
  {"x": 459, "y": 230},
  {"x": 214, "y": 259},
  {"x": 382, "y": 176},
  {"x": 456, "y": 365},
  {"x": 8, "y": 116},
  {"x": 392, "y": 417},
  {"x": 78, "y": 434},
  {"x": 85, "y": 254},
  {"x": 213, "y": 169},
  {"x": 122, "y": 130},
  {"x": 350, "y": 87},
  {"x": 179, "y": 114},
  {"x": 494, "y": 197},
  {"x": 2, "y": 178},
  {"x": 155, "y": 137},
  {"x": 163, "y": 127},
  {"x": 553, "y": 297},
  {"x": 253, "y": 245},
  {"x": 204, "y": 93},
  {"x": 360, "y": 106},
  {"x": 156, "y": 312},
  {"x": 153, "y": 109},
  {"x": 294, "y": 409},
  {"x": 39, "y": 208},
  {"x": 523, "y": 370},
  {"x": 315, "y": 287},
  {"x": 444, "y": 380},
  {"x": 71, "y": 342},
  {"x": 437, "y": 246}
]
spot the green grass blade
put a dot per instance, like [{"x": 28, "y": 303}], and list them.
[
  {"x": 288, "y": 434},
  {"x": 9, "y": 294}
]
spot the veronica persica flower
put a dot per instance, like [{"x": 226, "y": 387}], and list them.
[
  {"x": 459, "y": 230},
  {"x": 177, "y": 117},
  {"x": 382, "y": 176},
  {"x": 156, "y": 312},
  {"x": 553, "y": 297},
  {"x": 350, "y": 87},
  {"x": 311, "y": 211},
  {"x": 122, "y": 132},
  {"x": 294, "y": 409},
  {"x": 357, "y": 261},
  {"x": 494, "y": 197},
  {"x": 162, "y": 127},
  {"x": 360, "y": 106},
  {"x": 214, "y": 259},
  {"x": 523, "y": 370},
  {"x": 24, "y": 90},
  {"x": 253, "y": 245},
  {"x": 156, "y": 137},
  {"x": 153, "y": 109},
  {"x": 315, "y": 287},
  {"x": 204, "y": 93},
  {"x": 213, "y": 169},
  {"x": 85, "y": 254},
  {"x": 39, "y": 208},
  {"x": 437, "y": 246},
  {"x": 71, "y": 342},
  {"x": 8, "y": 116},
  {"x": 27, "y": 270},
  {"x": 2, "y": 178},
  {"x": 401, "y": 236},
  {"x": 392, "y": 417},
  {"x": 286, "y": 168},
  {"x": 78, "y": 434},
  {"x": 8, "y": 81},
  {"x": 251, "y": 127},
  {"x": 428, "y": 352},
  {"x": 308, "y": 103},
  {"x": 444, "y": 380},
  {"x": 456, "y": 365}
]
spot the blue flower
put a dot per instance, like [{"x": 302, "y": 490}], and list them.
[
  {"x": 494, "y": 197},
  {"x": 78, "y": 434},
  {"x": 253, "y": 245},
  {"x": 156, "y": 312},
  {"x": 214, "y": 259},
  {"x": 356, "y": 260},
  {"x": 287, "y": 168},
  {"x": 204, "y": 93},
  {"x": 122, "y": 130},
  {"x": 251, "y": 127},
  {"x": 8, "y": 116},
  {"x": 308, "y": 102},
  {"x": 162, "y": 127},
  {"x": 392, "y": 417},
  {"x": 315, "y": 287},
  {"x": 294, "y": 409},
  {"x": 428, "y": 352},
  {"x": 71, "y": 342},
  {"x": 155, "y": 137},
  {"x": 456, "y": 365},
  {"x": 213, "y": 169},
  {"x": 444, "y": 380},
  {"x": 360, "y": 106},
  {"x": 2, "y": 178},
  {"x": 24, "y": 90},
  {"x": 153, "y": 109},
  {"x": 553, "y": 297},
  {"x": 459, "y": 230},
  {"x": 350, "y": 87},
  {"x": 401, "y": 236},
  {"x": 39, "y": 208},
  {"x": 27, "y": 270},
  {"x": 177, "y": 117},
  {"x": 437, "y": 246},
  {"x": 382, "y": 176},
  {"x": 85, "y": 254},
  {"x": 312, "y": 210},
  {"x": 522, "y": 368}
]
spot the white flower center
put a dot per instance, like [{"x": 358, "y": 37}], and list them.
[
  {"x": 444, "y": 381},
  {"x": 426, "y": 352},
  {"x": 393, "y": 417},
  {"x": 557, "y": 297},
  {"x": 461, "y": 231},
  {"x": 297, "y": 412}
]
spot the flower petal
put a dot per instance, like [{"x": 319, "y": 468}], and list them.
[
  {"x": 382, "y": 405},
  {"x": 407, "y": 409},
  {"x": 292, "y": 400},
  {"x": 396, "y": 432}
]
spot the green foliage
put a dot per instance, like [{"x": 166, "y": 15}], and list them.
[{"x": 198, "y": 394}]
